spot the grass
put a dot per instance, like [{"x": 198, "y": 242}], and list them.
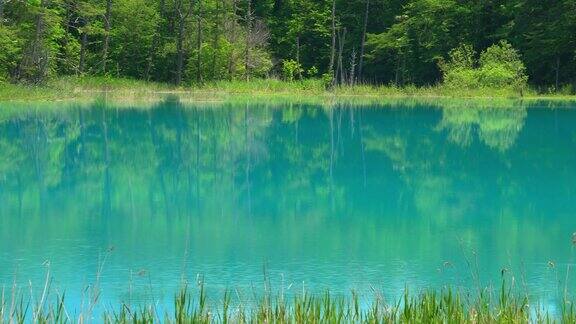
[
  {"x": 66, "y": 88},
  {"x": 502, "y": 305}
]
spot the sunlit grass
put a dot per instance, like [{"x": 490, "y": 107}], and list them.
[{"x": 78, "y": 88}]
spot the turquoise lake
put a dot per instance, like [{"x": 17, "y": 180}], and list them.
[{"x": 137, "y": 200}]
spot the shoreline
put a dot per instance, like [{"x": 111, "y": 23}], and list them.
[{"x": 89, "y": 88}]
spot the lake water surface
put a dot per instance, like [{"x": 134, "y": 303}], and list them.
[{"x": 134, "y": 201}]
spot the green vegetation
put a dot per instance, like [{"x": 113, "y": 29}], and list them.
[
  {"x": 501, "y": 305},
  {"x": 403, "y": 44},
  {"x": 499, "y": 67},
  {"x": 308, "y": 90}
]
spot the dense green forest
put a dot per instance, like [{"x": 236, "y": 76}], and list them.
[{"x": 420, "y": 42}]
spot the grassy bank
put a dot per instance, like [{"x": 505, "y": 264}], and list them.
[
  {"x": 501, "y": 305},
  {"x": 125, "y": 89}
]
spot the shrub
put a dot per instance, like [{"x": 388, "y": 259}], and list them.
[
  {"x": 10, "y": 49},
  {"x": 312, "y": 72},
  {"x": 499, "y": 66},
  {"x": 459, "y": 71},
  {"x": 291, "y": 69}
]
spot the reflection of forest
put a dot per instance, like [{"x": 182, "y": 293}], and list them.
[
  {"x": 365, "y": 183},
  {"x": 497, "y": 127}
]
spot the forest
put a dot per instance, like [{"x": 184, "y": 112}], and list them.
[{"x": 466, "y": 43}]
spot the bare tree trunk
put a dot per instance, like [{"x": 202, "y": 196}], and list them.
[
  {"x": 199, "y": 44},
  {"x": 557, "y": 72},
  {"x": 298, "y": 57},
  {"x": 337, "y": 77},
  {"x": 150, "y": 58},
  {"x": 333, "y": 49},
  {"x": 182, "y": 16},
  {"x": 397, "y": 72},
  {"x": 180, "y": 50},
  {"x": 340, "y": 75},
  {"x": 216, "y": 39},
  {"x": 351, "y": 78},
  {"x": 363, "y": 44},
  {"x": 248, "y": 41},
  {"x": 34, "y": 65},
  {"x": 232, "y": 57},
  {"x": 107, "y": 18},
  {"x": 155, "y": 41},
  {"x": 83, "y": 43}
]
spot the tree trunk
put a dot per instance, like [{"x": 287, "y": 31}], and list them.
[
  {"x": 182, "y": 16},
  {"x": 34, "y": 65},
  {"x": 232, "y": 56},
  {"x": 340, "y": 75},
  {"x": 216, "y": 39},
  {"x": 298, "y": 57},
  {"x": 333, "y": 49},
  {"x": 150, "y": 57},
  {"x": 180, "y": 50},
  {"x": 248, "y": 42},
  {"x": 83, "y": 43},
  {"x": 155, "y": 41},
  {"x": 351, "y": 78},
  {"x": 557, "y": 81},
  {"x": 199, "y": 45},
  {"x": 107, "y": 18},
  {"x": 363, "y": 44}
]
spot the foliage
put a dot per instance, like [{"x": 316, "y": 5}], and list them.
[
  {"x": 499, "y": 66},
  {"x": 185, "y": 41},
  {"x": 291, "y": 69},
  {"x": 10, "y": 49},
  {"x": 460, "y": 69}
]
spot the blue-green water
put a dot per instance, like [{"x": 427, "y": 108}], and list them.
[{"x": 312, "y": 197}]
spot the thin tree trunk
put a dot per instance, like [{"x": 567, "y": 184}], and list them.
[
  {"x": 216, "y": 40},
  {"x": 340, "y": 75},
  {"x": 248, "y": 42},
  {"x": 333, "y": 48},
  {"x": 351, "y": 78},
  {"x": 397, "y": 72},
  {"x": 298, "y": 57},
  {"x": 557, "y": 72},
  {"x": 232, "y": 56},
  {"x": 107, "y": 24},
  {"x": 180, "y": 38},
  {"x": 34, "y": 63},
  {"x": 337, "y": 77},
  {"x": 155, "y": 41},
  {"x": 150, "y": 58},
  {"x": 199, "y": 44},
  {"x": 82, "y": 52},
  {"x": 363, "y": 44},
  {"x": 180, "y": 50}
]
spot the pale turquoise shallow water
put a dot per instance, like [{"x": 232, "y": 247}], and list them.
[{"x": 338, "y": 198}]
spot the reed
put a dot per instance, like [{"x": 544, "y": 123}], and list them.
[{"x": 191, "y": 305}]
